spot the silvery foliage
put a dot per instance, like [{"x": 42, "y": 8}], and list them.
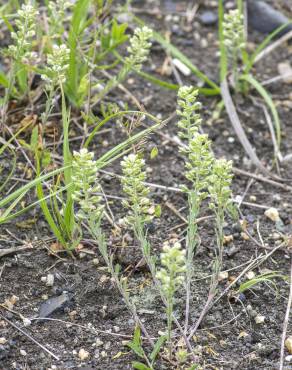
[
  {"x": 198, "y": 165},
  {"x": 25, "y": 23},
  {"x": 220, "y": 184},
  {"x": 137, "y": 192},
  {"x": 171, "y": 275},
  {"x": 84, "y": 169},
  {"x": 57, "y": 65}
]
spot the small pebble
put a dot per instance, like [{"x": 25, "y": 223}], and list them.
[
  {"x": 276, "y": 236},
  {"x": 272, "y": 214},
  {"x": 288, "y": 344},
  {"x": 244, "y": 236},
  {"x": 223, "y": 275},
  {"x": 83, "y": 355},
  {"x": 104, "y": 278},
  {"x": 98, "y": 342},
  {"x": 227, "y": 239},
  {"x": 250, "y": 275},
  {"x": 259, "y": 319},
  {"x": 285, "y": 71},
  {"x": 50, "y": 280},
  {"x": 3, "y": 340},
  {"x": 23, "y": 352},
  {"x": 26, "y": 322},
  {"x": 208, "y": 18}
]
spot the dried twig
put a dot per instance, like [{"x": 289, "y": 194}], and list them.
[
  {"x": 286, "y": 320},
  {"x": 273, "y": 46},
  {"x": 6, "y": 251},
  {"x": 29, "y": 337},
  {"x": 237, "y": 126}
]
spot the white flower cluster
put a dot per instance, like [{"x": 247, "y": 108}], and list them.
[
  {"x": 233, "y": 31},
  {"x": 137, "y": 192},
  {"x": 57, "y": 11},
  {"x": 85, "y": 187},
  {"x": 220, "y": 184},
  {"x": 140, "y": 47},
  {"x": 190, "y": 121},
  {"x": 172, "y": 274},
  {"x": 58, "y": 7},
  {"x": 26, "y": 30},
  {"x": 57, "y": 65},
  {"x": 198, "y": 149}
]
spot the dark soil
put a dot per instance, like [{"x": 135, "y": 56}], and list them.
[{"x": 94, "y": 317}]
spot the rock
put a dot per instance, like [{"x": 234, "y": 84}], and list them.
[
  {"x": 285, "y": 71},
  {"x": 208, "y": 18},
  {"x": 288, "y": 344},
  {"x": 272, "y": 214},
  {"x": 3, "y": 340},
  {"x": 264, "y": 18},
  {"x": 52, "y": 304}
]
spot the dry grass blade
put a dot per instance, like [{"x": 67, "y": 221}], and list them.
[
  {"x": 286, "y": 320},
  {"x": 235, "y": 121},
  {"x": 30, "y": 337},
  {"x": 6, "y": 251},
  {"x": 273, "y": 46}
]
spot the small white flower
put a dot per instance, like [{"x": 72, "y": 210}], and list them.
[{"x": 57, "y": 65}]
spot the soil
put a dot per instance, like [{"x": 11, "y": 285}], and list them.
[{"x": 94, "y": 316}]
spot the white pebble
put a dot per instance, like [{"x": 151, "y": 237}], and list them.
[
  {"x": 23, "y": 352},
  {"x": 272, "y": 214}
]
